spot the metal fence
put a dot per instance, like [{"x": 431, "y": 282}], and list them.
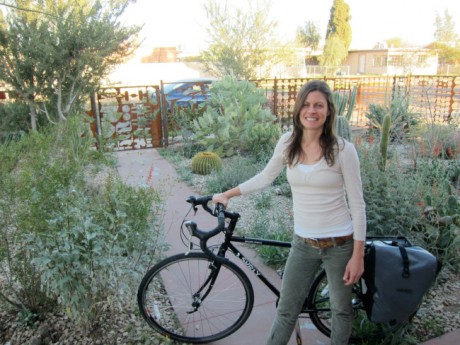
[
  {"x": 136, "y": 117},
  {"x": 434, "y": 97}
]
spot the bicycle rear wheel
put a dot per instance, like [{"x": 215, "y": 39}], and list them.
[
  {"x": 363, "y": 329},
  {"x": 192, "y": 299}
]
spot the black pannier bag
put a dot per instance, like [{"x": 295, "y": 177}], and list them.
[{"x": 396, "y": 277}]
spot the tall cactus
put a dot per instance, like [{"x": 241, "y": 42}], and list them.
[
  {"x": 384, "y": 139},
  {"x": 343, "y": 102},
  {"x": 340, "y": 102},
  {"x": 343, "y": 128},
  {"x": 351, "y": 102}
]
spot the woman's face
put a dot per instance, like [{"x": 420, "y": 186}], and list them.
[{"x": 314, "y": 112}]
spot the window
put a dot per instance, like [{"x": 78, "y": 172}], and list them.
[
  {"x": 395, "y": 60},
  {"x": 380, "y": 61},
  {"x": 422, "y": 59}
]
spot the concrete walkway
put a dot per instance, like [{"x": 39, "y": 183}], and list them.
[{"x": 147, "y": 167}]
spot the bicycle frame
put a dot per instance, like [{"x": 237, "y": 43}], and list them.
[{"x": 258, "y": 241}]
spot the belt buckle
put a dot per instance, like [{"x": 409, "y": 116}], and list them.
[{"x": 315, "y": 243}]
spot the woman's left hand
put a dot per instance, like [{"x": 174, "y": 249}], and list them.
[
  {"x": 355, "y": 266},
  {"x": 353, "y": 271}
]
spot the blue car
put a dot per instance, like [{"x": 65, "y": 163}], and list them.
[{"x": 184, "y": 93}]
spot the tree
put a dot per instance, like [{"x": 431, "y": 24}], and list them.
[
  {"x": 56, "y": 51},
  {"x": 242, "y": 42},
  {"x": 445, "y": 29},
  {"x": 308, "y": 35},
  {"x": 338, "y": 34},
  {"x": 447, "y": 42},
  {"x": 334, "y": 52}
]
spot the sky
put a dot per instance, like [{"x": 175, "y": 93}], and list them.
[{"x": 183, "y": 23}]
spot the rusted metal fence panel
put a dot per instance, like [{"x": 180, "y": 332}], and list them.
[{"x": 130, "y": 117}]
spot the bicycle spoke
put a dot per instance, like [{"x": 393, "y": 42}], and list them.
[{"x": 181, "y": 301}]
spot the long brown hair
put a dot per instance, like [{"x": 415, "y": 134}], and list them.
[{"x": 328, "y": 138}]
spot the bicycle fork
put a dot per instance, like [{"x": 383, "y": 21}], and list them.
[{"x": 197, "y": 299}]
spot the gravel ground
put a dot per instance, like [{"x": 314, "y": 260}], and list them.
[{"x": 439, "y": 313}]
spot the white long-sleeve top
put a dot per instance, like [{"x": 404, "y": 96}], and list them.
[{"x": 320, "y": 192}]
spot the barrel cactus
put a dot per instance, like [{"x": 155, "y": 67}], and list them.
[{"x": 205, "y": 162}]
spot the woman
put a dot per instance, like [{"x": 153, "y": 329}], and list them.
[{"x": 329, "y": 211}]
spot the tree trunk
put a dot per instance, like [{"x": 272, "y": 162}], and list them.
[{"x": 33, "y": 116}]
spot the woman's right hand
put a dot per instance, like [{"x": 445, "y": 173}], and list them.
[
  {"x": 224, "y": 198},
  {"x": 220, "y": 199}
]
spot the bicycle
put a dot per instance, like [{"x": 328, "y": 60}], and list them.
[{"x": 200, "y": 297}]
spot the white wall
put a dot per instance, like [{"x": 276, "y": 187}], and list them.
[{"x": 136, "y": 73}]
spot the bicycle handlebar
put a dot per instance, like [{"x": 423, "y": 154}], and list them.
[
  {"x": 221, "y": 214},
  {"x": 204, "y": 235}
]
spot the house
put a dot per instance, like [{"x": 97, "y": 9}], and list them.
[{"x": 392, "y": 61}]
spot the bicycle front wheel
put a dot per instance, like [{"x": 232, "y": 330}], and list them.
[
  {"x": 319, "y": 309},
  {"x": 193, "y": 299}
]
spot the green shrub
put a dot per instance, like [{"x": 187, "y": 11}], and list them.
[
  {"x": 439, "y": 140},
  {"x": 235, "y": 170},
  {"x": 235, "y": 120},
  {"x": 390, "y": 196},
  {"x": 89, "y": 255},
  {"x": 274, "y": 223},
  {"x": 412, "y": 201},
  {"x": 71, "y": 232},
  {"x": 14, "y": 120}
]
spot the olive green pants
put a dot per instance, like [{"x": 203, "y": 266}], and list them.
[{"x": 301, "y": 268}]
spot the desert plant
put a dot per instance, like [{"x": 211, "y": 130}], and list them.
[
  {"x": 235, "y": 120},
  {"x": 384, "y": 139},
  {"x": 236, "y": 170},
  {"x": 204, "y": 163},
  {"x": 345, "y": 102},
  {"x": 411, "y": 201},
  {"x": 271, "y": 222},
  {"x": 14, "y": 120},
  {"x": 344, "y": 106},
  {"x": 439, "y": 140},
  {"x": 181, "y": 122},
  {"x": 403, "y": 119},
  {"x": 391, "y": 202},
  {"x": 69, "y": 232},
  {"x": 343, "y": 128}
]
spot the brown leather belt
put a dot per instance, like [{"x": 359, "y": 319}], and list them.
[{"x": 328, "y": 242}]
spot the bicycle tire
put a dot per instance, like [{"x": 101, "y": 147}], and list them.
[
  {"x": 220, "y": 313},
  {"x": 363, "y": 329}
]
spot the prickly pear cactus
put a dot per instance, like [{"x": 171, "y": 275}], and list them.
[{"x": 204, "y": 163}]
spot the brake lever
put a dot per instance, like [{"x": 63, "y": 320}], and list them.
[{"x": 190, "y": 243}]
